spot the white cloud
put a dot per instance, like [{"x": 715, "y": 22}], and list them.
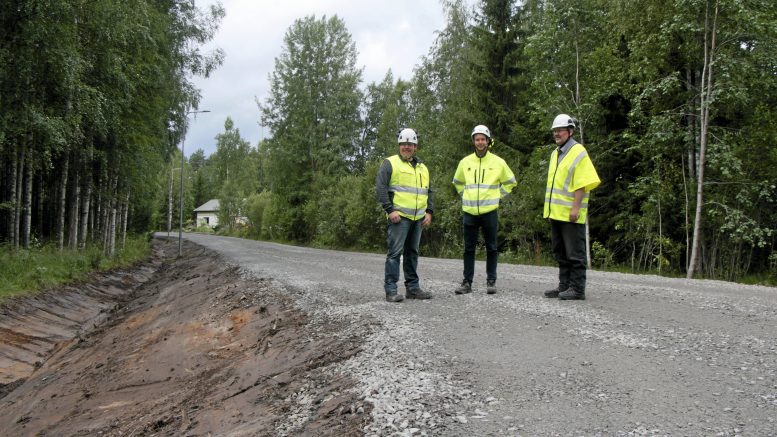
[{"x": 388, "y": 34}]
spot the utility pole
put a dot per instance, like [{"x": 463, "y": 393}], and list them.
[
  {"x": 170, "y": 203},
  {"x": 183, "y": 161}
]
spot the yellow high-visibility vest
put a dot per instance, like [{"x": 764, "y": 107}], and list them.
[
  {"x": 482, "y": 182},
  {"x": 410, "y": 186},
  {"x": 575, "y": 171}
]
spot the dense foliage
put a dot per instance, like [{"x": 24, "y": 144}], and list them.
[
  {"x": 94, "y": 98},
  {"x": 676, "y": 101}
]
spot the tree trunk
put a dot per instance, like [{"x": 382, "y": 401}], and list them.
[
  {"x": 62, "y": 195},
  {"x": 660, "y": 228},
  {"x": 105, "y": 207},
  {"x": 12, "y": 224},
  {"x": 39, "y": 202},
  {"x": 75, "y": 203},
  {"x": 85, "y": 216},
  {"x": 112, "y": 230},
  {"x": 27, "y": 208},
  {"x": 692, "y": 133},
  {"x": 125, "y": 216},
  {"x": 87, "y": 198},
  {"x": 99, "y": 235},
  {"x": 97, "y": 213},
  {"x": 93, "y": 218},
  {"x": 687, "y": 208},
  {"x": 582, "y": 141},
  {"x": 706, "y": 96},
  {"x": 110, "y": 212},
  {"x": 19, "y": 182}
]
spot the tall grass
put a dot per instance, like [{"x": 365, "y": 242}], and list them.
[{"x": 29, "y": 271}]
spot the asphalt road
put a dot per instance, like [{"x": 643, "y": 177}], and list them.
[{"x": 643, "y": 355}]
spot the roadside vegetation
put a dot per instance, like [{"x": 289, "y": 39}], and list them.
[
  {"x": 673, "y": 111},
  {"x": 95, "y": 97},
  {"x": 675, "y": 102},
  {"x": 27, "y": 271}
]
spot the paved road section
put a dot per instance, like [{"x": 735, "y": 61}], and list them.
[{"x": 644, "y": 355}]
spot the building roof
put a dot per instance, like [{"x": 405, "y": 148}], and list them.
[{"x": 210, "y": 206}]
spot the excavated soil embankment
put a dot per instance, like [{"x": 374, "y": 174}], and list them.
[{"x": 174, "y": 346}]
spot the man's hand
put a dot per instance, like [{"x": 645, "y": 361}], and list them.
[
  {"x": 427, "y": 220},
  {"x": 574, "y": 214},
  {"x": 394, "y": 217}
]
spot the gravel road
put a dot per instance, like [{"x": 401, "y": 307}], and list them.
[{"x": 643, "y": 355}]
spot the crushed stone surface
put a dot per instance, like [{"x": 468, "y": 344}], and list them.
[{"x": 643, "y": 355}]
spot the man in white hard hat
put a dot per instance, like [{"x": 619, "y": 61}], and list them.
[
  {"x": 571, "y": 177},
  {"x": 404, "y": 192},
  {"x": 482, "y": 179}
]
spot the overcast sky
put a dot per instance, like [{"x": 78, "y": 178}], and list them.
[{"x": 389, "y": 34}]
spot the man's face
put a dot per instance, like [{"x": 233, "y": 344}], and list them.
[
  {"x": 481, "y": 142},
  {"x": 407, "y": 150},
  {"x": 561, "y": 135}
]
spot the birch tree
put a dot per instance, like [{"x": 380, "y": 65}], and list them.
[{"x": 313, "y": 114}]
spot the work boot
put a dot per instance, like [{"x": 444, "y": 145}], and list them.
[
  {"x": 552, "y": 294},
  {"x": 394, "y": 297},
  {"x": 571, "y": 294},
  {"x": 464, "y": 288},
  {"x": 418, "y": 294},
  {"x": 491, "y": 287}
]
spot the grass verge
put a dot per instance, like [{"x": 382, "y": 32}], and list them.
[{"x": 29, "y": 271}]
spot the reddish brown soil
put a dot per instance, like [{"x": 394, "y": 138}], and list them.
[{"x": 172, "y": 347}]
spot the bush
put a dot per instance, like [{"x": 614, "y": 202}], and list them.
[{"x": 601, "y": 256}]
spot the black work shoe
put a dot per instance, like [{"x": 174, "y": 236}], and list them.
[
  {"x": 394, "y": 297},
  {"x": 491, "y": 287},
  {"x": 552, "y": 294},
  {"x": 418, "y": 294},
  {"x": 571, "y": 294},
  {"x": 464, "y": 288}
]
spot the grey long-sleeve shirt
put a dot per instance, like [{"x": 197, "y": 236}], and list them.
[{"x": 386, "y": 198}]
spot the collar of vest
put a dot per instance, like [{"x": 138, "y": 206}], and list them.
[
  {"x": 486, "y": 157},
  {"x": 568, "y": 145},
  {"x": 413, "y": 161}
]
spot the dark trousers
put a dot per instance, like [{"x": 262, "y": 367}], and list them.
[
  {"x": 403, "y": 239},
  {"x": 489, "y": 223},
  {"x": 568, "y": 241}
]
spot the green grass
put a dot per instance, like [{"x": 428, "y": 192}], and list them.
[{"x": 30, "y": 271}]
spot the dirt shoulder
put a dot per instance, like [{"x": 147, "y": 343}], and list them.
[
  {"x": 243, "y": 337},
  {"x": 187, "y": 346},
  {"x": 643, "y": 355}
]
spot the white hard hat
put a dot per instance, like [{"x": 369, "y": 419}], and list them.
[
  {"x": 481, "y": 129},
  {"x": 563, "y": 120},
  {"x": 407, "y": 135}
]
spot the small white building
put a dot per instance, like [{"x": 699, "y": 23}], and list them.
[{"x": 207, "y": 214}]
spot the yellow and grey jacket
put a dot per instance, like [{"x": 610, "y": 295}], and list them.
[
  {"x": 404, "y": 187},
  {"x": 568, "y": 172},
  {"x": 482, "y": 182}
]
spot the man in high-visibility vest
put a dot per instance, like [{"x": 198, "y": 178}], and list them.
[
  {"x": 404, "y": 192},
  {"x": 481, "y": 179},
  {"x": 571, "y": 177}
]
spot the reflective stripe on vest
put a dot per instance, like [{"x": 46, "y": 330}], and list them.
[
  {"x": 558, "y": 197},
  {"x": 410, "y": 186}
]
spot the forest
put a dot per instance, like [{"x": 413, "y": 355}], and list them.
[{"x": 673, "y": 100}]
